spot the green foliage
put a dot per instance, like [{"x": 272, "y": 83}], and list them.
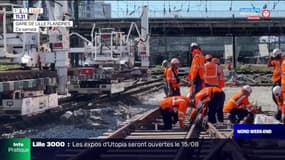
[
  {"x": 4, "y": 67},
  {"x": 253, "y": 68}
]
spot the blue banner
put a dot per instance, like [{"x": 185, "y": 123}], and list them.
[{"x": 250, "y": 131}]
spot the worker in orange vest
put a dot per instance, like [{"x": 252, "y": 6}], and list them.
[
  {"x": 221, "y": 75},
  {"x": 275, "y": 61},
  {"x": 239, "y": 107},
  {"x": 165, "y": 67},
  {"x": 211, "y": 99},
  {"x": 172, "y": 78},
  {"x": 173, "y": 109},
  {"x": 211, "y": 72},
  {"x": 283, "y": 87},
  {"x": 197, "y": 70},
  {"x": 279, "y": 99}
]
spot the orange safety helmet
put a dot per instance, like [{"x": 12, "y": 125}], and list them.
[
  {"x": 208, "y": 57},
  {"x": 215, "y": 60}
]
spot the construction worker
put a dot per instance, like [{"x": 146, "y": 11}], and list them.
[
  {"x": 197, "y": 70},
  {"x": 211, "y": 72},
  {"x": 279, "y": 99},
  {"x": 232, "y": 75},
  {"x": 283, "y": 87},
  {"x": 239, "y": 107},
  {"x": 211, "y": 99},
  {"x": 275, "y": 61},
  {"x": 172, "y": 78},
  {"x": 165, "y": 66},
  {"x": 173, "y": 109},
  {"x": 221, "y": 76}
]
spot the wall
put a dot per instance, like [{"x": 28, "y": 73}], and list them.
[{"x": 166, "y": 47}]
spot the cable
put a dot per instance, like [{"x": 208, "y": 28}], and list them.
[
  {"x": 206, "y": 8},
  {"x": 188, "y": 9},
  {"x": 264, "y": 6},
  {"x": 169, "y": 7},
  {"x": 164, "y": 9}
]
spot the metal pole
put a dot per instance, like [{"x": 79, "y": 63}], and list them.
[
  {"x": 4, "y": 31},
  {"x": 76, "y": 15},
  {"x": 234, "y": 51},
  {"x": 145, "y": 35},
  {"x": 112, "y": 45},
  {"x": 26, "y": 5}
]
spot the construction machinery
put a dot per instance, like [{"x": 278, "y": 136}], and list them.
[
  {"x": 110, "y": 55},
  {"x": 33, "y": 91},
  {"x": 17, "y": 48}
]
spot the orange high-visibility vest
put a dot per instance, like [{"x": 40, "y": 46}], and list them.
[
  {"x": 165, "y": 74},
  {"x": 238, "y": 100},
  {"x": 283, "y": 86},
  {"x": 197, "y": 65},
  {"x": 283, "y": 76},
  {"x": 221, "y": 77},
  {"x": 170, "y": 78},
  {"x": 205, "y": 95},
  {"x": 276, "y": 76},
  {"x": 176, "y": 103},
  {"x": 211, "y": 74}
]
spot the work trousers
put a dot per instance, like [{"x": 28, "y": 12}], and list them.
[
  {"x": 278, "y": 114},
  {"x": 215, "y": 107},
  {"x": 281, "y": 111},
  {"x": 236, "y": 115},
  {"x": 169, "y": 117},
  {"x": 165, "y": 88},
  {"x": 277, "y": 83},
  {"x": 197, "y": 85},
  {"x": 174, "y": 92}
]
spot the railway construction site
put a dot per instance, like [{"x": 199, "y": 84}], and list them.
[{"x": 140, "y": 80}]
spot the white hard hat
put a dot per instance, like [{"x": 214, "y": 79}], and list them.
[
  {"x": 174, "y": 61},
  {"x": 247, "y": 88},
  {"x": 277, "y": 90},
  {"x": 164, "y": 62},
  {"x": 276, "y": 52},
  {"x": 283, "y": 54},
  {"x": 194, "y": 44}
]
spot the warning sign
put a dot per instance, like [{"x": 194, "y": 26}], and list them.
[{"x": 265, "y": 13}]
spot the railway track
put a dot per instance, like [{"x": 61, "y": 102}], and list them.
[
  {"x": 76, "y": 103},
  {"x": 148, "y": 127},
  {"x": 209, "y": 141}
]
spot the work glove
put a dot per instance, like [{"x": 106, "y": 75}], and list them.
[
  {"x": 190, "y": 82},
  {"x": 205, "y": 122},
  {"x": 186, "y": 124},
  {"x": 259, "y": 110}
]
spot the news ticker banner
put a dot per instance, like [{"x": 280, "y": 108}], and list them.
[
  {"x": 259, "y": 131},
  {"x": 22, "y": 23},
  {"x": 15, "y": 149},
  {"x": 54, "y": 149},
  {"x": 49, "y": 149}
]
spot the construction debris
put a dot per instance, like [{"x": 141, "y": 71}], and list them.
[
  {"x": 264, "y": 119},
  {"x": 253, "y": 79}
]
